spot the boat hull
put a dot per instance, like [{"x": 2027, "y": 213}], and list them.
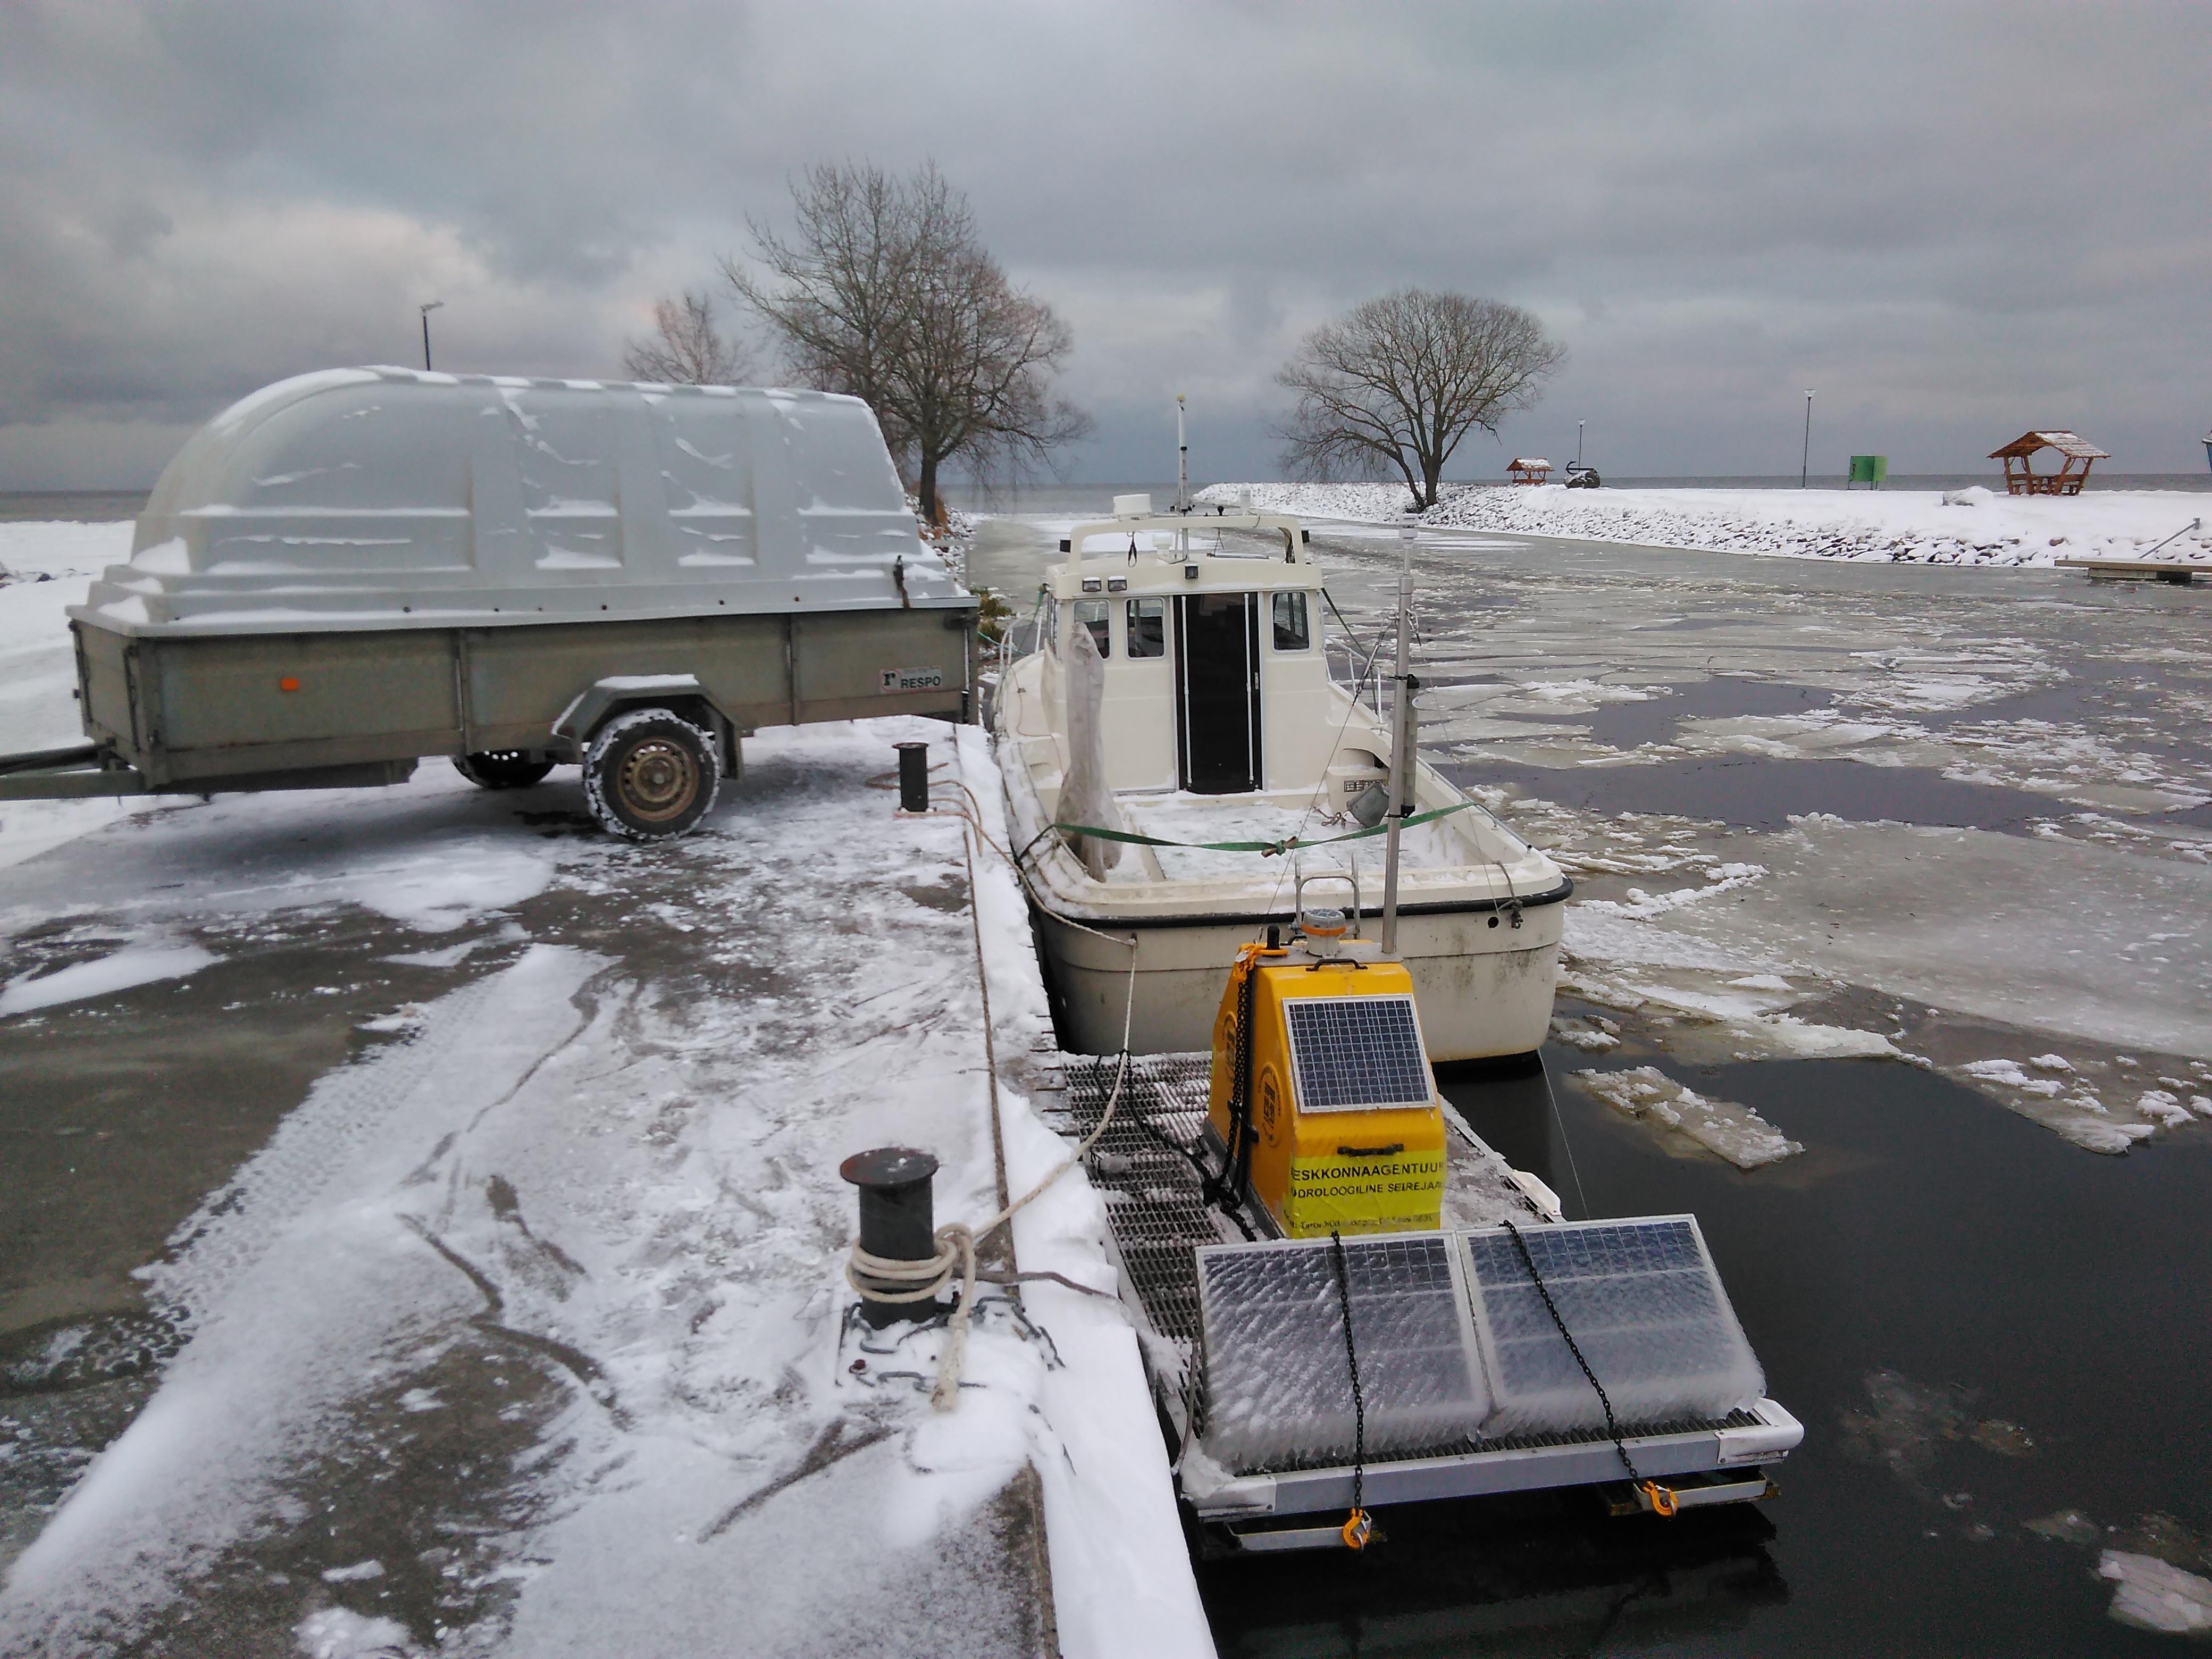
[{"x": 1483, "y": 992}]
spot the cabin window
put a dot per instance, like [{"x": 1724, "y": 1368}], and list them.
[
  {"x": 1148, "y": 628},
  {"x": 1291, "y": 632},
  {"x": 1091, "y": 614}
]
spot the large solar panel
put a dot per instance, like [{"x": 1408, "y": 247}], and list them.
[
  {"x": 1455, "y": 1345},
  {"x": 1356, "y": 1053},
  {"x": 1279, "y": 1387},
  {"x": 1646, "y": 1308}
]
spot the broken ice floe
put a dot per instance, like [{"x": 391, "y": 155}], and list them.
[
  {"x": 1734, "y": 1132},
  {"x": 2155, "y": 1596}
]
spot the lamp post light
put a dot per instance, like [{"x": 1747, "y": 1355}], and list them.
[
  {"x": 1578, "y": 443},
  {"x": 1805, "y": 462},
  {"x": 426, "y": 311}
]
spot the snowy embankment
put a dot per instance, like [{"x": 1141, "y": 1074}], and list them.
[{"x": 1908, "y": 526}]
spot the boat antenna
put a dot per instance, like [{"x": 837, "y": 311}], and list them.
[
  {"x": 1183, "y": 461},
  {"x": 1401, "y": 743},
  {"x": 1182, "y": 484}
]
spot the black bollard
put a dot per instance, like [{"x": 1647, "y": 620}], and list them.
[
  {"x": 914, "y": 776},
  {"x": 898, "y": 1222}
]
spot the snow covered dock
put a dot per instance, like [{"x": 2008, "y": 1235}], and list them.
[{"x": 525, "y": 1331}]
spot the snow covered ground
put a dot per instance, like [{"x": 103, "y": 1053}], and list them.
[
  {"x": 525, "y": 1331},
  {"x": 1969, "y": 527}
]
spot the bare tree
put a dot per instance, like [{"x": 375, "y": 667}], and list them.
[
  {"x": 686, "y": 348},
  {"x": 886, "y": 291},
  {"x": 1403, "y": 379}
]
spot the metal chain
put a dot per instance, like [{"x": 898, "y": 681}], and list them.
[
  {"x": 1603, "y": 1399},
  {"x": 1358, "y": 1396}
]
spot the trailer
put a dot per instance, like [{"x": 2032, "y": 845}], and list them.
[{"x": 352, "y": 570}]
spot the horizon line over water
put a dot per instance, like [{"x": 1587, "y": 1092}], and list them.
[{"x": 102, "y": 505}]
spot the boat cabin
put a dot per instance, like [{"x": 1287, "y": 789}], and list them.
[{"x": 1209, "y": 630}]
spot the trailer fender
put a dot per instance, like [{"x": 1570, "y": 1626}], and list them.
[{"x": 681, "y": 694}]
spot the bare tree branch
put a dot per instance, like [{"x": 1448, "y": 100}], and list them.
[
  {"x": 1397, "y": 382},
  {"x": 686, "y": 350},
  {"x": 886, "y": 291}
]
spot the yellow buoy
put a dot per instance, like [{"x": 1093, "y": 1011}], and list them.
[{"x": 1323, "y": 1095}]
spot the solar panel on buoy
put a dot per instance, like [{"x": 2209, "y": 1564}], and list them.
[{"x": 1356, "y": 1053}]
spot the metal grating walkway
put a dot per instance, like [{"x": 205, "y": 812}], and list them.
[{"x": 1142, "y": 1167}]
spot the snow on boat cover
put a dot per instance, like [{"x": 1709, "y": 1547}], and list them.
[{"x": 361, "y": 498}]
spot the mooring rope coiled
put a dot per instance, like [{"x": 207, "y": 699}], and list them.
[{"x": 905, "y": 1282}]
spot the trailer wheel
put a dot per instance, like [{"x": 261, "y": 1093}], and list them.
[
  {"x": 502, "y": 768},
  {"x": 650, "y": 775}
]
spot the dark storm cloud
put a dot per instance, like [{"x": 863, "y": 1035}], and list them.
[{"x": 1955, "y": 221}]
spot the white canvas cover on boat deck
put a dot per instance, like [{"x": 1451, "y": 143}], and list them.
[
  {"x": 1083, "y": 796},
  {"x": 374, "y": 498}
]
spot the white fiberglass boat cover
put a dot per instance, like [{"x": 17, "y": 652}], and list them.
[
  {"x": 369, "y": 498},
  {"x": 1457, "y": 1345}
]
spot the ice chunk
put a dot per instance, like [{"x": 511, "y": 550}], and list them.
[
  {"x": 2066, "y": 1527},
  {"x": 2163, "y": 1108},
  {"x": 335, "y": 1633},
  {"x": 1645, "y": 1306},
  {"x": 2156, "y": 1595},
  {"x": 1736, "y": 1132}
]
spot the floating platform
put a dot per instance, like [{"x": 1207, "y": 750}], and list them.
[{"x": 1467, "y": 1389}]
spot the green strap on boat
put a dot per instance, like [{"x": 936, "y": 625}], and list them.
[{"x": 1265, "y": 848}]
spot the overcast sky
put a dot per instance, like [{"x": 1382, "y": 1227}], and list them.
[{"x": 1952, "y": 223}]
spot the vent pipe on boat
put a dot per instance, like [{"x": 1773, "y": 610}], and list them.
[{"x": 1401, "y": 743}]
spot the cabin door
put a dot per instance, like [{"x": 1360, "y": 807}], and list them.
[{"x": 1217, "y": 692}]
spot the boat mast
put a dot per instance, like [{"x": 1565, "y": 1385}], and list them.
[
  {"x": 1183, "y": 482},
  {"x": 1401, "y": 744}
]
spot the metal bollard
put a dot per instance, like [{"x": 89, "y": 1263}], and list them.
[
  {"x": 914, "y": 776},
  {"x": 897, "y": 1220}
]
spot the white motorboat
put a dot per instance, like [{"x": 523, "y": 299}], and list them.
[{"x": 1178, "y": 696}]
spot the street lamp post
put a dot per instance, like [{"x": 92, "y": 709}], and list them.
[
  {"x": 426, "y": 311},
  {"x": 1805, "y": 462},
  {"x": 1578, "y": 443}
]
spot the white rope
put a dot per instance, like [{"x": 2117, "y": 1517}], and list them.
[{"x": 925, "y": 1280}]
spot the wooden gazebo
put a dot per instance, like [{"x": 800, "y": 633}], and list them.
[
  {"x": 2025, "y": 480},
  {"x": 1529, "y": 470}
]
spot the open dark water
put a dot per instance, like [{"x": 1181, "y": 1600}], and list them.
[{"x": 1979, "y": 1325}]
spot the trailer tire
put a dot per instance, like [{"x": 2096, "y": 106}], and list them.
[
  {"x": 502, "y": 768},
  {"x": 650, "y": 775}
]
